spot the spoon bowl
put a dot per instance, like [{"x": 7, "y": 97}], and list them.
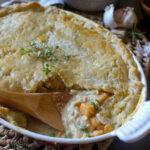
[{"x": 46, "y": 107}]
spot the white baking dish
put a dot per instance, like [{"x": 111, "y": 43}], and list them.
[{"x": 133, "y": 130}]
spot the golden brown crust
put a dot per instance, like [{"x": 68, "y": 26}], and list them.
[
  {"x": 20, "y": 7},
  {"x": 97, "y": 59}
]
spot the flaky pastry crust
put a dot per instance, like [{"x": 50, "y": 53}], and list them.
[{"x": 98, "y": 60}]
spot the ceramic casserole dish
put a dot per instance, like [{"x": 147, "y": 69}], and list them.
[{"x": 138, "y": 121}]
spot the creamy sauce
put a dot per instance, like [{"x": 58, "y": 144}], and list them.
[{"x": 78, "y": 121}]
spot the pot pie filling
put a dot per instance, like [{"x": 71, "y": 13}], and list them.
[{"x": 48, "y": 49}]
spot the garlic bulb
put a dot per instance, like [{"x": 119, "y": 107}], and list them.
[
  {"x": 123, "y": 17},
  {"x": 108, "y": 17}
]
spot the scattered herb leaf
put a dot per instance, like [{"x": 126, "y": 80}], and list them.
[
  {"x": 32, "y": 43},
  {"x": 83, "y": 128},
  {"x": 52, "y": 134},
  {"x": 22, "y": 49},
  {"x": 88, "y": 135},
  {"x": 95, "y": 105},
  {"x": 21, "y": 53},
  {"x": 67, "y": 135},
  {"x": 134, "y": 33},
  {"x": 57, "y": 47},
  {"x": 43, "y": 51},
  {"x": 47, "y": 70}
]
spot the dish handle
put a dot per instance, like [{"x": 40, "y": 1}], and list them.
[{"x": 138, "y": 127}]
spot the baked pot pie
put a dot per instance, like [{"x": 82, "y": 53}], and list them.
[{"x": 48, "y": 49}]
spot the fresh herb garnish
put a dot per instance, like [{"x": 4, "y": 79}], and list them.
[
  {"x": 95, "y": 105},
  {"x": 133, "y": 32},
  {"x": 52, "y": 134},
  {"x": 40, "y": 55},
  {"x": 57, "y": 47},
  {"x": 29, "y": 54},
  {"x": 83, "y": 128},
  {"x": 67, "y": 135},
  {"x": 32, "y": 43},
  {"x": 21, "y": 53},
  {"x": 47, "y": 70},
  {"x": 88, "y": 135},
  {"x": 43, "y": 51},
  {"x": 22, "y": 49}
]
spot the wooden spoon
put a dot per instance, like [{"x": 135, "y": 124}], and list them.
[{"x": 46, "y": 107}]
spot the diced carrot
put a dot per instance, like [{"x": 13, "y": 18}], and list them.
[
  {"x": 100, "y": 127},
  {"x": 94, "y": 122},
  {"x": 92, "y": 128},
  {"x": 59, "y": 134},
  {"x": 4, "y": 111},
  {"x": 102, "y": 97},
  {"x": 108, "y": 128},
  {"x": 87, "y": 109},
  {"x": 97, "y": 133},
  {"x": 77, "y": 104}
]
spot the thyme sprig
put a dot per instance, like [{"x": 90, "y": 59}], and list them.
[
  {"x": 67, "y": 135},
  {"x": 87, "y": 135},
  {"x": 43, "y": 51},
  {"x": 52, "y": 134},
  {"x": 22, "y": 53},
  {"x": 47, "y": 69},
  {"x": 83, "y": 128},
  {"x": 133, "y": 32}
]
